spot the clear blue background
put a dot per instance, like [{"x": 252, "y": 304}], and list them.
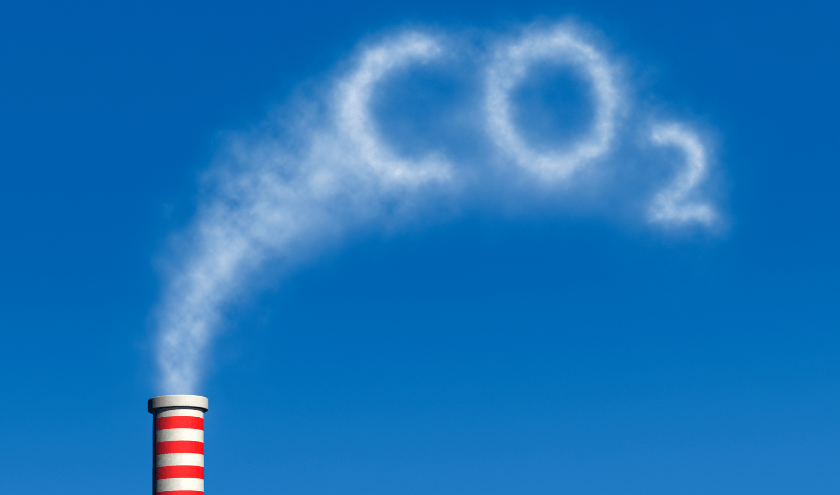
[{"x": 484, "y": 355}]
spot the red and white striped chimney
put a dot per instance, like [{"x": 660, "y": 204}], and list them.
[{"x": 178, "y": 465}]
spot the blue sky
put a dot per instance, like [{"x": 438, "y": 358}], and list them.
[{"x": 501, "y": 335}]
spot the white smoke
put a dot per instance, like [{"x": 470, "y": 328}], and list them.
[
  {"x": 355, "y": 122},
  {"x": 510, "y": 67},
  {"x": 673, "y": 205},
  {"x": 281, "y": 203}
]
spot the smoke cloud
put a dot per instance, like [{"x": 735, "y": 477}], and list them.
[
  {"x": 673, "y": 205},
  {"x": 511, "y": 65},
  {"x": 282, "y": 198}
]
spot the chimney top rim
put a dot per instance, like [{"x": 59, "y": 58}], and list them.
[{"x": 162, "y": 402}]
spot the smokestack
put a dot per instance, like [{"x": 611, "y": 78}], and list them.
[{"x": 178, "y": 444}]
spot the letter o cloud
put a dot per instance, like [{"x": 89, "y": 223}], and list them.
[{"x": 507, "y": 71}]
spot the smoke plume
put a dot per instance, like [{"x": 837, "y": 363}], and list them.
[{"x": 325, "y": 175}]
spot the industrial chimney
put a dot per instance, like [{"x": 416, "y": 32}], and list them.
[{"x": 178, "y": 448}]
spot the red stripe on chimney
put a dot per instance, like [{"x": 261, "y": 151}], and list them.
[
  {"x": 179, "y": 447},
  {"x": 170, "y": 422},
  {"x": 166, "y": 472},
  {"x": 183, "y": 492}
]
